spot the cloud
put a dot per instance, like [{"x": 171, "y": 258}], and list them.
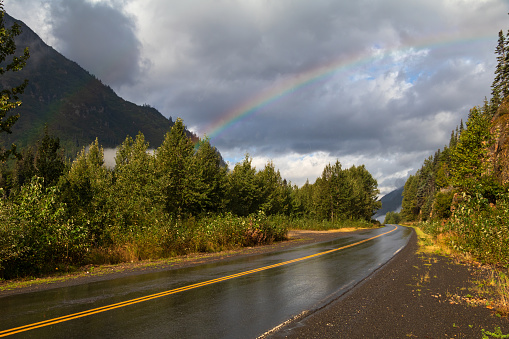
[
  {"x": 100, "y": 36},
  {"x": 376, "y": 83}
]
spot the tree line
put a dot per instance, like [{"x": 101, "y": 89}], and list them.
[{"x": 57, "y": 211}]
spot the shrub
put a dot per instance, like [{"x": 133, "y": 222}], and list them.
[
  {"x": 442, "y": 205},
  {"x": 482, "y": 229},
  {"x": 35, "y": 235}
]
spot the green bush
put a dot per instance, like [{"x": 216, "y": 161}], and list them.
[
  {"x": 482, "y": 229},
  {"x": 35, "y": 235},
  {"x": 442, "y": 205}
]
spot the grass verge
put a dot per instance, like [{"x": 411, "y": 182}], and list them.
[{"x": 496, "y": 281}]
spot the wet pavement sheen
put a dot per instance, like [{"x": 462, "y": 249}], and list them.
[{"x": 243, "y": 307}]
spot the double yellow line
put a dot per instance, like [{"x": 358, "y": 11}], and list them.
[{"x": 173, "y": 291}]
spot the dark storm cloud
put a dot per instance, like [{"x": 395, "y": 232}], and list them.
[
  {"x": 98, "y": 36},
  {"x": 407, "y": 71}
]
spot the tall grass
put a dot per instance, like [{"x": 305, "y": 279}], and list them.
[
  {"x": 28, "y": 247},
  {"x": 324, "y": 225}
]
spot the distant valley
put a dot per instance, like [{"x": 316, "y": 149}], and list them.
[{"x": 391, "y": 202}]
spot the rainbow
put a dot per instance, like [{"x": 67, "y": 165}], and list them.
[{"x": 290, "y": 85}]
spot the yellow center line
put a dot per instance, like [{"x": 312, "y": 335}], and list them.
[{"x": 53, "y": 321}]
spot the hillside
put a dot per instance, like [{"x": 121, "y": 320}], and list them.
[
  {"x": 391, "y": 202},
  {"x": 76, "y": 106}
]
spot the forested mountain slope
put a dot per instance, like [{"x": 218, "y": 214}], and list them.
[{"x": 76, "y": 106}]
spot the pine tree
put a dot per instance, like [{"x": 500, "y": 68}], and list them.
[
  {"x": 304, "y": 200},
  {"x": 270, "y": 183},
  {"x": 213, "y": 177},
  {"x": 471, "y": 169},
  {"x": 24, "y": 168},
  {"x": 45, "y": 160},
  {"x": 49, "y": 159},
  {"x": 409, "y": 208},
  {"x": 134, "y": 190},
  {"x": 243, "y": 191},
  {"x": 331, "y": 193},
  {"x": 363, "y": 193},
  {"x": 177, "y": 174},
  {"x": 500, "y": 86},
  {"x": 84, "y": 190}
]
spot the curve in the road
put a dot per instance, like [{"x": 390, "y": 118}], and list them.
[{"x": 173, "y": 291}]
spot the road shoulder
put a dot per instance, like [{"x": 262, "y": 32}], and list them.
[{"x": 413, "y": 295}]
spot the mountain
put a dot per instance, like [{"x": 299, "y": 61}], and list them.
[
  {"x": 75, "y": 105},
  {"x": 391, "y": 202}
]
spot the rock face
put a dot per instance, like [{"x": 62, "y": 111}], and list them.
[{"x": 499, "y": 151}]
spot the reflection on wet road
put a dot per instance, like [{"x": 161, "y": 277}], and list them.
[{"x": 240, "y": 298}]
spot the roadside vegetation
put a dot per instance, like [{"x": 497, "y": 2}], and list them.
[
  {"x": 459, "y": 197},
  {"x": 57, "y": 214}
]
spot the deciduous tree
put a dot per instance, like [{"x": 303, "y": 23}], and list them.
[{"x": 9, "y": 96}]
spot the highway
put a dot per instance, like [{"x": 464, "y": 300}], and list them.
[{"x": 240, "y": 298}]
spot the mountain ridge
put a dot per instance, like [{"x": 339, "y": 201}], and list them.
[
  {"x": 74, "y": 105},
  {"x": 391, "y": 202}
]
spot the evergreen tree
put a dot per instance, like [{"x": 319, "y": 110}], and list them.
[
  {"x": 472, "y": 170},
  {"x": 85, "y": 188},
  {"x": 304, "y": 200},
  {"x": 442, "y": 171},
  {"x": 134, "y": 190},
  {"x": 24, "y": 168},
  {"x": 409, "y": 207},
  {"x": 500, "y": 86},
  {"x": 9, "y": 97},
  {"x": 243, "y": 190},
  {"x": 500, "y": 51},
  {"x": 363, "y": 193},
  {"x": 331, "y": 193},
  {"x": 271, "y": 188},
  {"x": 213, "y": 177},
  {"x": 49, "y": 161},
  {"x": 177, "y": 173}
]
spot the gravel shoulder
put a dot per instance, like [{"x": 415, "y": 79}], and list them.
[
  {"x": 414, "y": 295},
  {"x": 93, "y": 273}
]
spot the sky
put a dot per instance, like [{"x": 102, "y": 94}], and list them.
[{"x": 297, "y": 82}]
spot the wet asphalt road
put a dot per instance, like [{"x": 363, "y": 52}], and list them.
[{"x": 242, "y": 298}]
